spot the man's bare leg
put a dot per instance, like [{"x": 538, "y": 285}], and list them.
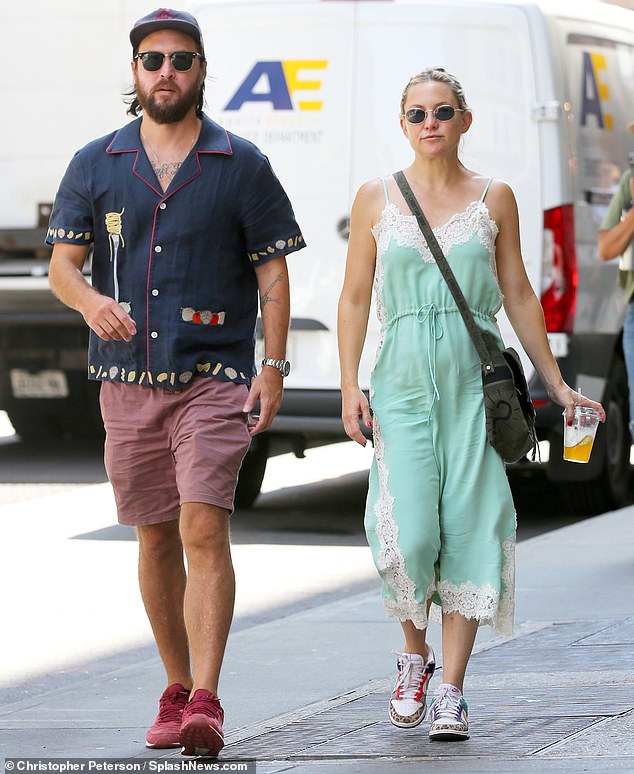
[
  {"x": 162, "y": 582},
  {"x": 210, "y": 589}
]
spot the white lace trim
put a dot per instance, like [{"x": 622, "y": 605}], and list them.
[
  {"x": 379, "y": 277},
  {"x": 458, "y": 230},
  {"x": 483, "y": 603},
  {"x": 390, "y": 561},
  {"x": 409, "y": 610},
  {"x": 474, "y": 219},
  {"x": 506, "y": 610}
]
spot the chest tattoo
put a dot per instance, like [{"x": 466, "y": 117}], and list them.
[{"x": 166, "y": 171}]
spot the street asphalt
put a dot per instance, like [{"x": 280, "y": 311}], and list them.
[{"x": 308, "y": 692}]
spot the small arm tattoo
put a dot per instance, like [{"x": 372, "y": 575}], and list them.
[{"x": 266, "y": 297}]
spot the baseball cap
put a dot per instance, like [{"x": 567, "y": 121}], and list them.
[{"x": 166, "y": 19}]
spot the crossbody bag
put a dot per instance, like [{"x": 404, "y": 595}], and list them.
[{"x": 510, "y": 415}]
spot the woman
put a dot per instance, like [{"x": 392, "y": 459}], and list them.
[{"x": 439, "y": 517}]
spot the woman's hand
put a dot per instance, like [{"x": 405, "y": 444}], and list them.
[
  {"x": 354, "y": 404},
  {"x": 569, "y": 398}
]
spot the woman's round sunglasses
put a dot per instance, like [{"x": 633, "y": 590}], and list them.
[
  {"x": 181, "y": 60},
  {"x": 441, "y": 113}
]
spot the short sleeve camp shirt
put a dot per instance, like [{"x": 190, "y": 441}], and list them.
[{"x": 181, "y": 262}]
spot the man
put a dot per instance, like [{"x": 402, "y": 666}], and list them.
[
  {"x": 188, "y": 225},
  {"x": 616, "y": 237}
]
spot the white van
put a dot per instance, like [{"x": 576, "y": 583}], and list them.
[{"x": 317, "y": 86}]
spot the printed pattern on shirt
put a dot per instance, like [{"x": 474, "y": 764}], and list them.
[
  {"x": 281, "y": 244},
  {"x": 202, "y": 316},
  {"x": 64, "y": 233},
  {"x": 170, "y": 379}
]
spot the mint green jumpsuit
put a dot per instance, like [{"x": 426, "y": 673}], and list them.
[{"x": 439, "y": 517}]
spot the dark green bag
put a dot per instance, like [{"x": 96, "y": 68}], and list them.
[{"x": 510, "y": 415}]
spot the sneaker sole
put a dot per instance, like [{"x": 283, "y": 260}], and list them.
[
  {"x": 161, "y": 746},
  {"x": 448, "y": 736},
  {"x": 201, "y": 739},
  {"x": 404, "y": 724}
]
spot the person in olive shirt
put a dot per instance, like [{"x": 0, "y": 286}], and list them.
[{"x": 616, "y": 237}]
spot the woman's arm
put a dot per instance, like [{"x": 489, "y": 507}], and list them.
[
  {"x": 354, "y": 307},
  {"x": 522, "y": 305}
]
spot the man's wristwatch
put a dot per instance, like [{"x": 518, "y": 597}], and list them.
[{"x": 283, "y": 366}]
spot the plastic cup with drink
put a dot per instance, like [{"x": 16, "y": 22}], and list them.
[{"x": 579, "y": 436}]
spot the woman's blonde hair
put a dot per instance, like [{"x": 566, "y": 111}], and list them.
[{"x": 441, "y": 76}]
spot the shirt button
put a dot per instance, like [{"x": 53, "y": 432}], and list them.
[
  {"x": 154, "y": 335},
  {"x": 162, "y": 206},
  {"x": 158, "y": 249},
  {"x": 155, "y": 292}
]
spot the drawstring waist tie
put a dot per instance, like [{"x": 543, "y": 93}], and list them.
[{"x": 428, "y": 315}]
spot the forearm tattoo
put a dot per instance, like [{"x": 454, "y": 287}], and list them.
[{"x": 266, "y": 297}]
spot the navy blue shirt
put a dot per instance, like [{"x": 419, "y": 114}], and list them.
[{"x": 181, "y": 262}]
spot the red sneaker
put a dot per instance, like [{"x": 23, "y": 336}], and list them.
[
  {"x": 165, "y": 732},
  {"x": 201, "y": 731}
]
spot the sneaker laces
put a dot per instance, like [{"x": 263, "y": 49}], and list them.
[
  {"x": 411, "y": 678},
  {"x": 446, "y": 703},
  {"x": 171, "y": 706},
  {"x": 205, "y": 703}
]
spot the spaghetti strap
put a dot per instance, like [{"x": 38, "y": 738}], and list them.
[
  {"x": 484, "y": 193},
  {"x": 387, "y": 198}
]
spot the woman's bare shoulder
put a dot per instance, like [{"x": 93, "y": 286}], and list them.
[
  {"x": 499, "y": 190},
  {"x": 370, "y": 199},
  {"x": 500, "y": 199},
  {"x": 371, "y": 191}
]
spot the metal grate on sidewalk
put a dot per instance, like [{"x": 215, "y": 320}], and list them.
[{"x": 525, "y": 695}]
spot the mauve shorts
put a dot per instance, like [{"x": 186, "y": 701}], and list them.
[{"x": 168, "y": 447}]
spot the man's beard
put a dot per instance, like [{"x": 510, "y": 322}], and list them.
[{"x": 168, "y": 111}]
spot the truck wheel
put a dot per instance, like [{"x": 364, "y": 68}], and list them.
[
  {"x": 252, "y": 472},
  {"x": 34, "y": 428},
  {"x": 610, "y": 488},
  {"x": 86, "y": 424},
  {"x": 77, "y": 416}
]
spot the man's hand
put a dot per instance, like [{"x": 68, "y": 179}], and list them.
[
  {"x": 107, "y": 318},
  {"x": 267, "y": 388}
]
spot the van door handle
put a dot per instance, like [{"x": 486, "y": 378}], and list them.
[{"x": 343, "y": 227}]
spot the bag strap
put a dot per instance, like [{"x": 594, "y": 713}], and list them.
[{"x": 445, "y": 269}]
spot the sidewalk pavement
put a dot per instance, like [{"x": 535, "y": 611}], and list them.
[{"x": 308, "y": 692}]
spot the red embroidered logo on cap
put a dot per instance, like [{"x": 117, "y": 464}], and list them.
[{"x": 163, "y": 14}]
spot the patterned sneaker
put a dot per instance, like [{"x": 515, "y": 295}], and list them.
[
  {"x": 201, "y": 731},
  {"x": 407, "y": 708},
  {"x": 165, "y": 732},
  {"x": 448, "y": 714}
]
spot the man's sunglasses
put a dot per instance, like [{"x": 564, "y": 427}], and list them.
[
  {"x": 181, "y": 60},
  {"x": 441, "y": 113}
]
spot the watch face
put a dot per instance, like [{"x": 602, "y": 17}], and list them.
[{"x": 286, "y": 368}]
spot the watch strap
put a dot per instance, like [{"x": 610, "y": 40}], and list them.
[{"x": 283, "y": 366}]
